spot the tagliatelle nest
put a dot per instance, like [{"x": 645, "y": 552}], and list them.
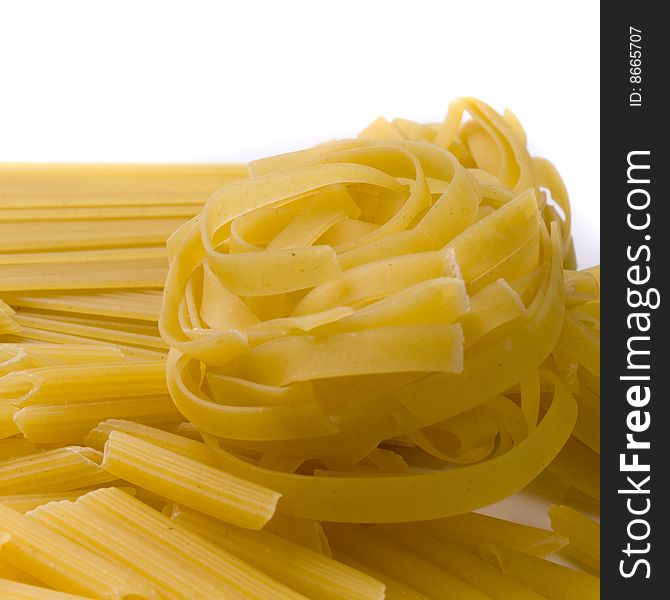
[{"x": 369, "y": 305}]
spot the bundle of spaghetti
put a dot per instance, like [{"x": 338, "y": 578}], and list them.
[
  {"x": 90, "y": 239},
  {"x": 131, "y": 305},
  {"x": 95, "y": 186}
]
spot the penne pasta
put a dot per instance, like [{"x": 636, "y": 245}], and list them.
[
  {"x": 57, "y": 470},
  {"x": 97, "y": 437},
  {"x": 157, "y": 530},
  {"x": 547, "y": 578},
  {"x": 471, "y": 530},
  {"x": 308, "y": 572},
  {"x": 395, "y": 590},
  {"x": 26, "y": 502},
  {"x": 391, "y": 559},
  {"x": 68, "y": 423},
  {"x": 460, "y": 563},
  {"x": 13, "y": 590},
  {"x": 63, "y": 564},
  {"x": 583, "y": 534},
  {"x": 15, "y": 447},
  {"x": 82, "y": 383},
  {"x": 189, "y": 482},
  {"x": 171, "y": 577}
]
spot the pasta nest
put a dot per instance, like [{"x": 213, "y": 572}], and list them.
[{"x": 366, "y": 306}]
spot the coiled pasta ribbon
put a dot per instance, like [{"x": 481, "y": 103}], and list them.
[{"x": 367, "y": 305}]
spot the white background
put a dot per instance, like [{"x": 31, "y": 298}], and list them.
[{"x": 230, "y": 81}]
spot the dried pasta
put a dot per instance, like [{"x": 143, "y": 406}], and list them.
[
  {"x": 297, "y": 378},
  {"x": 188, "y": 481}
]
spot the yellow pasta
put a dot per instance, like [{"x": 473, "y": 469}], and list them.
[
  {"x": 68, "y": 423},
  {"x": 55, "y": 470},
  {"x": 124, "y": 274},
  {"x": 20, "y": 357},
  {"x": 170, "y": 577},
  {"x": 473, "y": 529},
  {"x": 84, "y": 234},
  {"x": 7, "y": 322},
  {"x": 393, "y": 560},
  {"x": 188, "y": 481},
  {"x": 305, "y": 532},
  {"x": 16, "y": 446},
  {"x": 547, "y": 578},
  {"x": 337, "y": 356},
  {"x": 10, "y": 573},
  {"x": 78, "y": 330},
  {"x": 460, "y": 563},
  {"x": 90, "y": 185},
  {"x": 579, "y": 466},
  {"x": 157, "y": 530},
  {"x": 97, "y": 437},
  {"x": 304, "y": 570},
  {"x": 583, "y": 534},
  {"x": 25, "y": 502},
  {"x": 29, "y": 335},
  {"x": 81, "y": 383},
  {"x": 63, "y": 564},
  {"x": 244, "y": 251},
  {"x": 127, "y": 305},
  {"x": 12, "y": 590},
  {"x": 7, "y": 426},
  {"x": 395, "y": 590},
  {"x": 69, "y": 213}
]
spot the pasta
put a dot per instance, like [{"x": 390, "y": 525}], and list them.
[
  {"x": 63, "y": 564},
  {"x": 460, "y": 563},
  {"x": 473, "y": 529},
  {"x": 392, "y": 559},
  {"x": 250, "y": 353},
  {"x": 12, "y": 590},
  {"x": 304, "y": 570},
  {"x": 88, "y": 185},
  {"x": 26, "y": 502},
  {"x": 98, "y": 436},
  {"x": 125, "y": 305},
  {"x": 547, "y": 578},
  {"x": 583, "y": 534},
  {"x": 158, "y": 530},
  {"x": 56, "y": 470},
  {"x": 301, "y": 376},
  {"x": 185, "y": 480},
  {"x": 395, "y": 590},
  {"x": 171, "y": 578}
]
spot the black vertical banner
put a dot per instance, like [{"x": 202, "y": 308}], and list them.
[{"x": 635, "y": 263}]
